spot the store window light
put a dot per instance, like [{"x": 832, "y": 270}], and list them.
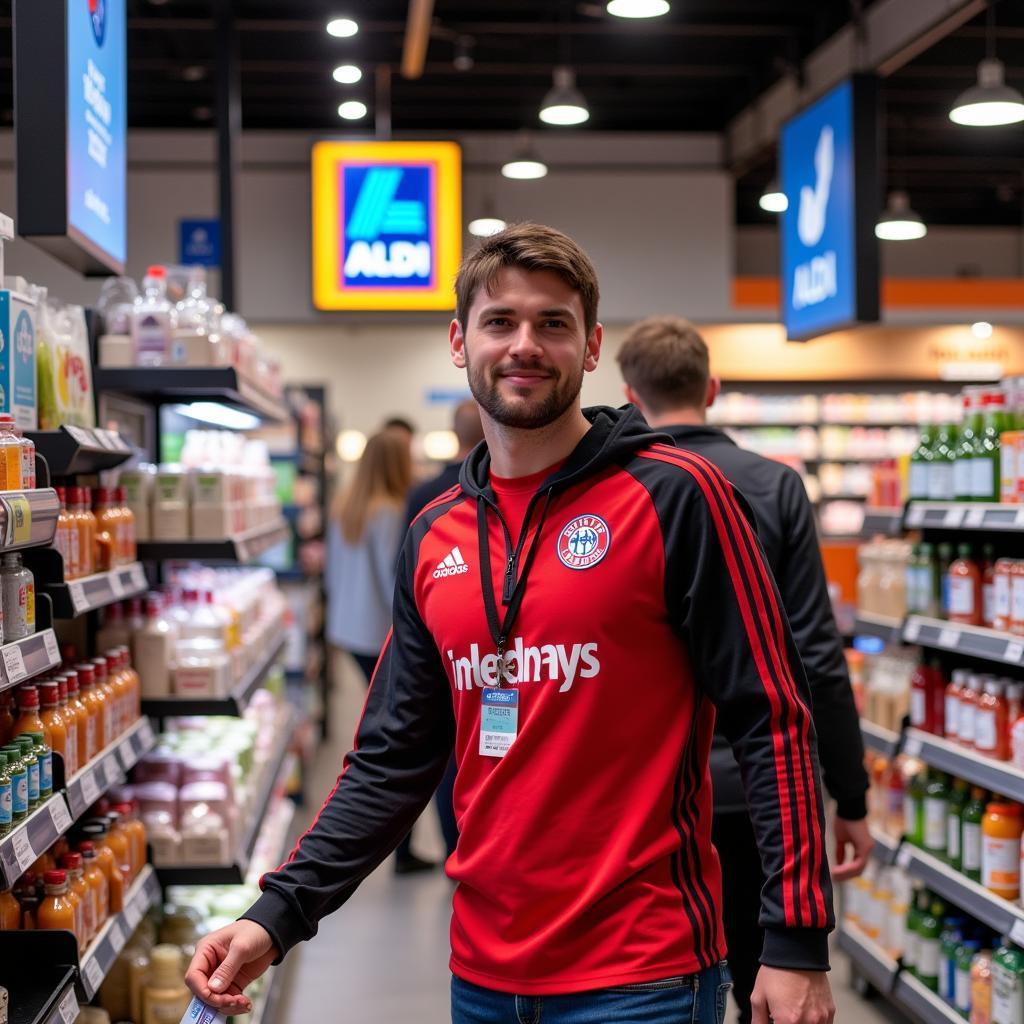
[
  {"x": 347, "y": 74},
  {"x": 773, "y": 199},
  {"x": 982, "y": 329},
  {"x": 900, "y": 223},
  {"x": 440, "y": 445},
  {"x": 350, "y": 445},
  {"x": 638, "y": 8},
  {"x": 352, "y": 110},
  {"x": 342, "y": 28},
  {"x": 218, "y": 415},
  {"x": 564, "y": 104},
  {"x": 482, "y": 227}
]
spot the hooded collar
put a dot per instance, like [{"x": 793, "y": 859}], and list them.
[{"x": 684, "y": 433}]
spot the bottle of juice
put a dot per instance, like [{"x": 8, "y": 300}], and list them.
[
  {"x": 73, "y": 865},
  {"x": 988, "y": 586},
  {"x": 120, "y": 841},
  {"x": 53, "y": 723},
  {"x": 971, "y": 837},
  {"x": 106, "y": 694},
  {"x": 1007, "y": 984},
  {"x": 29, "y": 719},
  {"x": 129, "y": 552},
  {"x": 96, "y": 880},
  {"x": 965, "y": 588},
  {"x": 19, "y": 782},
  {"x": 914, "y": 804},
  {"x": 96, "y": 830},
  {"x": 936, "y": 813},
  {"x": 136, "y": 831},
  {"x": 6, "y": 797},
  {"x": 10, "y": 455},
  {"x": 964, "y": 957},
  {"x": 18, "y": 588},
  {"x": 78, "y": 905},
  {"x": 929, "y": 945},
  {"x": 945, "y": 560},
  {"x": 66, "y": 539},
  {"x": 990, "y": 726},
  {"x": 32, "y": 766},
  {"x": 86, "y": 523},
  {"x": 81, "y": 713},
  {"x": 958, "y": 797},
  {"x": 44, "y": 755},
  {"x": 119, "y": 682},
  {"x": 951, "y": 937},
  {"x": 969, "y": 696},
  {"x": 1001, "y": 830},
  {"x": 981, "y": 987},
  {"x": 10, "y": 912},
  {"x": 134, "y": 683},
  {"x": 56, "y": 911},
  {"x": 95, "y": 736},
  {"x": 912, "y": 947},
  {"x": 28, "y": 461},
  {"x": 108, "y": 526},
  {"x": 920, "y": 463}
]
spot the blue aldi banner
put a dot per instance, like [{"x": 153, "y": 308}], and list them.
[
  {"x": 829, "y": 173},
  {"x": 199, "y": 243}
]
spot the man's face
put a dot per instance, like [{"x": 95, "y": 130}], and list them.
[{"x": 525, "y": 348}]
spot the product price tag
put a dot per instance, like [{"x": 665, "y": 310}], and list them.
[
  {"x": 52, "y": 650},
  {"x": 116, "y": 585},
  {"x": 146, "y": 737},
  {"x": 82, "y": 436},
  {"x": 69, "y": 1007},
  {"x": 14, "y": 663},
  {"x": 912, "y": 630},
  {"x": 126, "y": 753},
  {"x": 904, "y": 857},
  {"x": 953, "y": 516},
  {"x": 139, "y": 580},
  {"x": 23, "y": 852},
  {"x": 1014, "y": 652},
  {"x": 912, "y": 746},
  {"x": 915, "y": 515},
  {"x": 90, "y": 790},
  {"x": 948, "y": 638},
  {"x": 19, "y": 513},
  {"x": 117, "y": 937},
  {"x": 60, "y": 815},
  {"x": 93, "y": 974},
  {"x": 79, "y": 602},
  {"x": 974, "y": 518},
  {"x": 104, "y": 438},
  {"x": 1017, "y": 931},
  {"x": 1019, "y": 519},
  {"x": 133, "y": 911}
]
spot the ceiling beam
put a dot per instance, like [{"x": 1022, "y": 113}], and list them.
[
  {"x": 417, "y": 37},
  {"x": 893, "y": 32}
]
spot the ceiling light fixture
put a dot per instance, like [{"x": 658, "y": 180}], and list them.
[
  {"x": 524, "y": 168},
  {"x": 342, "y": 28},
  {"x": 352, "y": 110},
  {"x": 347, "y": 74},
  {"x": 638, "y": 8},
  {"x": 991, "y": 102},
  {"x": 899, "y": 223},
  {"x": 482, "y": 227},
  {"x": 564, "y": 103},
  {"x": 981, "y": 330},
  {"x": 773, "y": 199}
]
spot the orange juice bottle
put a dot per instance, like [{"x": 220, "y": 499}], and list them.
[
  {"x": 81, "y": 716},
  {"x": 10, "y": 912},
  {"x": 95, "y": 739},
  {"x": 96, "y": 880},
  {"x": 96, "y": 829},
  {"x": 66, "y": 539},
  {"x": 120, "y": 841},
  {"x": 67, "y": 712},
  {"x": 28, "y": 719},
  {"x": 80, "y": 888},
  {"x": 86, "y": 523},
  {"x": 122, "y": 689},
  {"x": 136, "y": 832},
  {"x": 134, "y": 686},
  {"x": 56, "y": 909},
  {"x": 108, "y": 522},
  {"x": 10, "y": 455},
  {"x": 106, "y": 693},
  {"x": 129, "y": 552},
  {"x": 53, "y": 719}
]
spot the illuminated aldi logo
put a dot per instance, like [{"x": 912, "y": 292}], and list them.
[{"x": 386, "y": 225}]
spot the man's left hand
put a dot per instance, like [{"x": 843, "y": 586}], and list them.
[
  {"x": 791, "y": 997},
  {"x": 849, "y": 834}
]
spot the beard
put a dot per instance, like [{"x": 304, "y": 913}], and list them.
[{"x": 524, "y": 413}]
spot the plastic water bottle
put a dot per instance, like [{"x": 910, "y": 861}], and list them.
[{"x": 153, "y": 320}]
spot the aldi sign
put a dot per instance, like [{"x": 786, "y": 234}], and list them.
[
  {"x": 829, "y": 173},
  {"x": 387, "y": 225}
]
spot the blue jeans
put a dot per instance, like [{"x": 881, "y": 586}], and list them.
[{"x": 689, "y": 999}]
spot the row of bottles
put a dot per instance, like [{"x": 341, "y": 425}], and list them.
[
  {"x": 95, "y": 530},
  {"x": 17, "y": 457}
]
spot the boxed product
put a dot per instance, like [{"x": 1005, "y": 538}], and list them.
[{"x": 18, "y": 312}]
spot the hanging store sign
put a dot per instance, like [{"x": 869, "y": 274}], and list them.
[
  {"x": 70, "y": 130},
  {"x": 387, "y": 225},
  {"x": 829, "y": 173}
]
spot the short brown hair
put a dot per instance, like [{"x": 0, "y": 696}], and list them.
[
  {"x": 665, "y": 361},
  {"x": 528, "y": 247}
]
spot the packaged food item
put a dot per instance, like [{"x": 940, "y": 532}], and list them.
[
  {"x": 10, "y": 455},
  {"x": 19, "y": 310},
  {"x": 44, "y": 755},
  {"x": 19, "y": 782},
  {"x": 66, "y": 539},
  {"x": 936, "y": 811},
  {"x": 54, "y": 725},
  {"x": 32, "y": 767},
  {"x": 1007, "y": 982},
  {"x": 96, "y": 829},
  {"x": 127, "y": 546},
  {"x": 170, "y": 516},
  {"x": 981, "y": 987},
  {"x": 18, "y": 593},
  {"x": 114, "y": 307},
  {"x": 1001, "y": 828},
  {"x": 94, "y": 735},
  {"x": 10, "y": 912},
  {"x": 165, "y": 998}
]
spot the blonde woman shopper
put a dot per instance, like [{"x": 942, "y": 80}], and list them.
[{"x": 365, "y": 533}]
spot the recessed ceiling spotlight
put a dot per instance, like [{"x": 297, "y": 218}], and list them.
[
  {"x": 347, "y": 74},
  {"x": 352, "y": 110},
  {"x": 342, "y": 28},
  {"x": 638, "y": 8}
]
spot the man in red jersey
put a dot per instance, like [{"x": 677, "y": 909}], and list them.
[{"x": 568, "y": 619}]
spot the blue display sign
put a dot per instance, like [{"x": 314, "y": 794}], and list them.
[
  {"x": 199, "y": 243},
  {"x": 829, "y": 174},
  {"x": 97, "y": 127}
]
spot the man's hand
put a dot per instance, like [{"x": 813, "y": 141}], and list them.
[
  {"x": 791, "y": 997},
  {"x": 857, "y": 835},
  {"x": 227, "y": 961}
]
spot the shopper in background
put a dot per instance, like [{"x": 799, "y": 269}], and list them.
[
  {"x": 566, "y": 620},
  {"x": 365, "y": 532},
  {"x": 664, "y": 363},
  {"x": 469, "y": 433}
]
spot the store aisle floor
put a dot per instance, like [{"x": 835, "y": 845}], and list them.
[{"x": 383, "y": 959}]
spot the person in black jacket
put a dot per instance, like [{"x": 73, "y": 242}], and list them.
[{"x": 664, "y": 363}]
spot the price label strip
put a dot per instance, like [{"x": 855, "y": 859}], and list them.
[
  {"x": 19, "y": 519},
  {"x": 1014, "y": 652},
  {"x": 69, "y": 1007},
  {"x": 912, "y": 631},
  {"x": 975, "y": 517},
  {"x": 93, "y": 975},
  {"x": 52, "y": 650},
  {"x": 133, "y": 914},
  {"x": 79, "y": 602},
  {"x": 948, "y": 638},
  {"x": 90, "y": 789},
  {"x": 117, "y": 936},
  {"x": 14, "y": 663},
  {"x": 82, "y": 436},
  {"x": 1017, "y": 931},
  {"x": 912, "y": 746},
  {"x": 60, "y": 815},
  {"x": 953, "y": 517},
  {"x": 904, "y": 857}
]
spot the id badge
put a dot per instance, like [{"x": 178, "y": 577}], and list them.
[{"x": 499, "y": 721}]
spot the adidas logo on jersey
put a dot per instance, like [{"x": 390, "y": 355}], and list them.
[{"x": 453, "y": 564}]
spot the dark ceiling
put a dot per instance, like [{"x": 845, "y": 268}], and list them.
[{"x": 691, "y": 70}]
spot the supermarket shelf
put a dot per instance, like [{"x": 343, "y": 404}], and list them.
[
  {"x": 46, "y": 995},
  {"x": 878, "y": 738},
  {"x": 885, "y": 521},
  {"x": 975, "y": 641},
  {"x": 72, "y": 450},
  {"x": 104, "y": 949},
  {"x": 886, "y": 847},
  {"x": 234, "y": 873},
  {"x": 922, "y": 1003},
  {"x": 872, "y": 962},
  {"x": 28, "y": 657},
  {"x": 964, "y": 515},
  {"x": 883, "y": 626},
  {"x": 971, "y": 766},
  {"x": 234, "y": 704},
  {"x": 22, "y": 846},
  {"x": 28, "y": 518},
  {"x": 999, "y": 914},
  {"x": 178, "y": 383},
  {"x": 75, "y": 597},
  {"x": 242, "y": 548},
  {"x": 108, "y": 767}
]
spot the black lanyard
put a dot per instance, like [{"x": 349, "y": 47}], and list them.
[{"x": 501, "y": 628}]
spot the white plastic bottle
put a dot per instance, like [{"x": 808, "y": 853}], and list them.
[
  {"x": 153, "y": 649},
  {"x": 153, "y": 320}
]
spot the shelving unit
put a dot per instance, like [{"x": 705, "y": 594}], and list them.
[
  {"x": 108, "y": 767},
  {"x": 72, "y": 450},
  {"x": 972, "y": 641},
  {"x": 44, "y": 994},
  {"x": 885, "y": 741},
  {"x": 922, "y": 1003},
  {"x": 31, "y": 656},
  {"x": 882, "y": 626},
  {"x": 28, "y": 518},
  {"x": 886, "y": 522},
  {"x": 937, "y": 752},
  {"x": 243, "y": 548},
  {"x": 871, "y": 961},
  {"x": 964, "y": 516},
  {"x": 71, "y": 598},
  {"x": 886, "y": 847}
]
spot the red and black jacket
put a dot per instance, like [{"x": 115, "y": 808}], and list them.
[{"x": 584, "y": 858}]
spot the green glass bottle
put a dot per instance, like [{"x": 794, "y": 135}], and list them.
[
  {"x": 962, "y": 483},
  {"x": 912, "y": 933},
  {"x": 913, "y": 808},
  {"x": 1007, "y": 984},
  {"x": 940, "y": 471},
  {"x": 959, "y": 794},
  {"x": 985, "y": 466},
  {"x": 936, "y": 811},
  {"x": 929, "y": 584},
  {"x": 930, "y": 947},
  {"x": 920, "y": 462},
  {"x": 970, "y": 848}
]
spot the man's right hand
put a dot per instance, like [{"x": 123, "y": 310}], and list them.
[{"x": 227, "y": 962}]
